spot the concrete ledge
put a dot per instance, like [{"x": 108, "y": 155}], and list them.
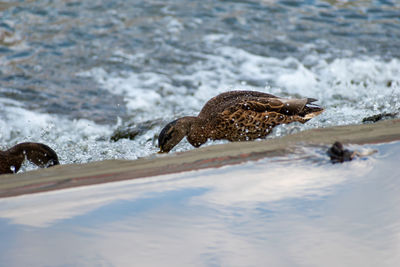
[{"x": 72, "y": 175}]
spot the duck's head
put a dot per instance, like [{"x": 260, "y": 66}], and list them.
[{"x": 172, "y": 134}]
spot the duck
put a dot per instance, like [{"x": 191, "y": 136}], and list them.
[
  {"x": 339, "y": 154},
  {"x": 37, "y": 153},
  {"x": 237, "y": 116}
]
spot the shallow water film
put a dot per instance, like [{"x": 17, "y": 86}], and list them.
[
  {"x": 72, "y": 72},
  {"x": 297, "y": 211}
]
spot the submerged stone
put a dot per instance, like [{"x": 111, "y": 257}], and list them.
[
  {"x": 379, "y": 117},
  {"x": 131, "y": 130}
]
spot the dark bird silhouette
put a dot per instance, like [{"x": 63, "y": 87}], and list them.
[
  {"x": 37, "y": 153},
  {"x": 339, "y": 154},
  {"x": 237, "y": 116}
]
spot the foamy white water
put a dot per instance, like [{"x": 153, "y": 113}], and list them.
[{"x": 349, "y": 88}]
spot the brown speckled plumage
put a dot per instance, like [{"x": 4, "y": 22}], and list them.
[
  {"x": 237, "y": 116},
  {"x": 37, "y": 153}
]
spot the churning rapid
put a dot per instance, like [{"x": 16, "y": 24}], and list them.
[{"x": 73, "y": 72}]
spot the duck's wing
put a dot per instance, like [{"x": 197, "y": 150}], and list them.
[
  {"x": 287, "y": 107},
  {"x": 230, "y": 99},
  {"x": 256, "y": 101},
  {"x": 254, "y": 117}
]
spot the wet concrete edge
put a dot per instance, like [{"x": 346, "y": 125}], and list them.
[{"x": 73, "y": 175}]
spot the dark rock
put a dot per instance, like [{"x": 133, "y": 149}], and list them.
[
  {"x": 379, "y": 117},
  {"x": 132, "y": 130}
]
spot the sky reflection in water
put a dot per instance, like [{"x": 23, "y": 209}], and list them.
[{"x": 270, "y": 212}]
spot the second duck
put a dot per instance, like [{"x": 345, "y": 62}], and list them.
[{"x": 237, "y": 116}]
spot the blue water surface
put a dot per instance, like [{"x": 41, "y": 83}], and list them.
[{"x": 302, "y": 211}]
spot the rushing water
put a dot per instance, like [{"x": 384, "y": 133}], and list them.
[
  {"x": 71, "y": 72},
  {"x": 273, "y": 212}
]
